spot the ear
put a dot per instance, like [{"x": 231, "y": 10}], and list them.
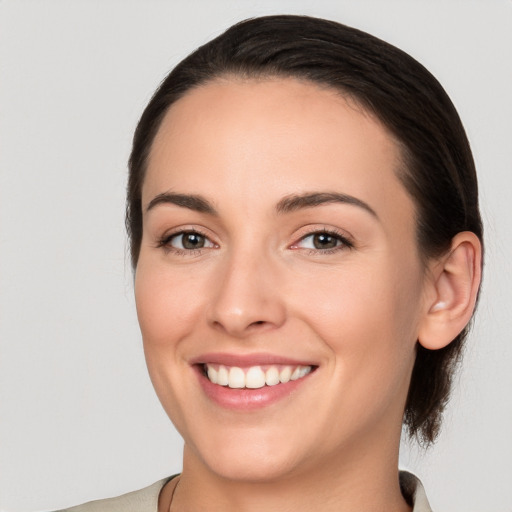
[{"x": 452, "y": 290}]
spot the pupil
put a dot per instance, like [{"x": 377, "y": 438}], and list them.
[
  {"x": 193, "y": 241},
  {"x": 324, "y": 241}
]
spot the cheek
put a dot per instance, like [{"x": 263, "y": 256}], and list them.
[
  {"x": 167, "y": 310},
  {"x": 166, "y": 306},
  {"x": 368, "y": 317}
]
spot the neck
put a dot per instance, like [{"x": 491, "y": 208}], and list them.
[{"x": 366, "y": 479}]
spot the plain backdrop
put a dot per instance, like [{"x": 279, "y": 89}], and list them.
[{"x": 78, "y": 416}]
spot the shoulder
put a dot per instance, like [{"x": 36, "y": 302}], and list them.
[
  {"x": 146, "y": 500},
  {"x": 143, "y": 500},
  {"x": 414, "y": 493}
]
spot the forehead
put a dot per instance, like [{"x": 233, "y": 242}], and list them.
[
  {"x": 284, "y": 107},
  {"x": 289, "y": 135}
]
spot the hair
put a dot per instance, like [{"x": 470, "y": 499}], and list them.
[{"x": 437, "y": 168}]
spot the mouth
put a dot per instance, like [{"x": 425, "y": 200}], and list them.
[
  {"x": 254, "y": 377},
  {"x": 250, "y": 382}
]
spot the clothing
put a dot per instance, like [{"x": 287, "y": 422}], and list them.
[
  {"x": 146, "y": 500},
  {"x": 414, "y": 493}
]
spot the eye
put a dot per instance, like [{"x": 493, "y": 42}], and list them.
[
  {"x": 323, "y": 241},
  {"x": 187, "y": 241}
]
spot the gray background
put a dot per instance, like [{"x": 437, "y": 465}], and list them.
[{"x": 78, "y": 417}]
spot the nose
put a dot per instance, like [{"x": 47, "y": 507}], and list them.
[{"x": 247, "y": 298}]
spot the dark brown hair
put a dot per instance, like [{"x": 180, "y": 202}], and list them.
[{"x": 438, "y": 169}]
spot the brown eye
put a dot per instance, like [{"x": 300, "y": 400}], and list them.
[
  {"x": 325, "y": 241},
  {"x": 192, "y": 241},
  {"x": 189, "y": 240}
]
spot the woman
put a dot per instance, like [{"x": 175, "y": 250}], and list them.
[{"x": 306, "y": 240}]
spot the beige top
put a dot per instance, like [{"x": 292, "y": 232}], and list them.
[{"x": 146, "y": 500}]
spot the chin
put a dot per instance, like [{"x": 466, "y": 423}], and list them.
[
  {"x": 250, "y": 469},
  {"x": 246, "y": 458}
]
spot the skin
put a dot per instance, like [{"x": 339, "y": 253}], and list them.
[{"x": 260, "y": 286}]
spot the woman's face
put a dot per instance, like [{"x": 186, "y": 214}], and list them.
[{"x": 278, "y": 241}]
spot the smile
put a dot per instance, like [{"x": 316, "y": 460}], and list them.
[{"x": 254, "y": 377}]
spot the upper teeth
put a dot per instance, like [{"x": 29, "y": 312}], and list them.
[{"x": 254, "y": 376}]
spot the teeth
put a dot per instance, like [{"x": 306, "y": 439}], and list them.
[
  {"x": 213, "y": 375},
  {"x": 285, "y": 374},
  {"x": 295, "y": 374},
  {"x": 272, "y": 376},
  {"x": 304, "y": 370},
  {"x": 236, "y": 378},
  {"x": 254, "y": 377},
  {"x": 222, "y": 376},
  {"x": 299, "y": 372}
]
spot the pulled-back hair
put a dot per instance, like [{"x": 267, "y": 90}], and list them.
[{"x": 437, "y": 165}]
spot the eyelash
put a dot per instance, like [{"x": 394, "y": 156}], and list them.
[
  {"x": 345, "y": 243},
  {"x": 165, "y": 242}
]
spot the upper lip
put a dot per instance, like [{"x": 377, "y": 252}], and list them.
[{"x": 246, "y": 360}]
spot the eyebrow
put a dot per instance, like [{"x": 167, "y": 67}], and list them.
[
  {"x": 192, "y": 202},
  {"x": 286, "y": 205},
  {"x": 309, "y": 200}
]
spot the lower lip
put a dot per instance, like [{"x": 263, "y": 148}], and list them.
[{"x": 248, "y": 399}]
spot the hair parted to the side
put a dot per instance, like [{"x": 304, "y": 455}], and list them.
[{"x": 437, "y": 165}]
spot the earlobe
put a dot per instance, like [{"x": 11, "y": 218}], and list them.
[{"x": 454, "y": 285}]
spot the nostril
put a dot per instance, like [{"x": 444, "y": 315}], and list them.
[{"x": 259, "y": 325}]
